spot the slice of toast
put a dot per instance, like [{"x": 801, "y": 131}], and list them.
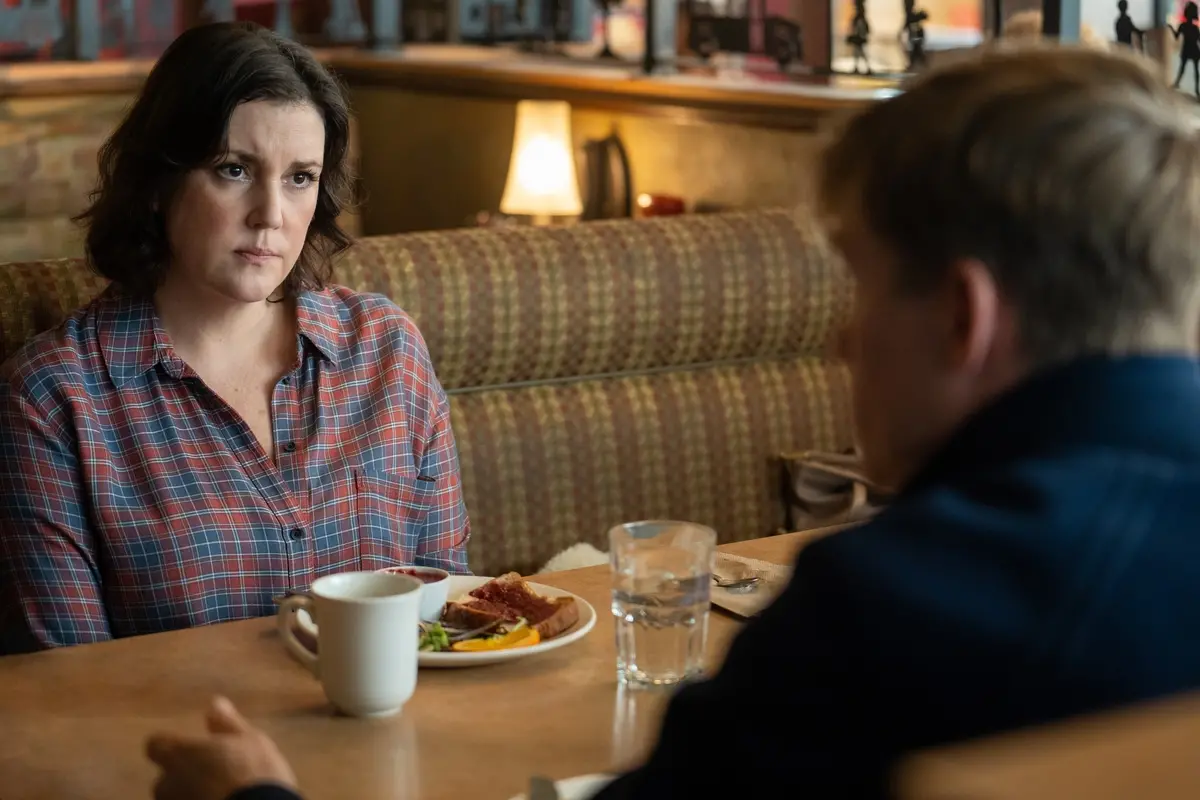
[
  {"x": 509, "y": 598},
  {"x": 470, "y": 614}
]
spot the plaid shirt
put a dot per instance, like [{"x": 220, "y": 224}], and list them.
[{"x": 133, "y": 499}]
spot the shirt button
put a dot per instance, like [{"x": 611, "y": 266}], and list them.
[
  {"x": 290, "y": 447},
  {"x": 296, "y": 533},
  {"x": 286, "y": 380}
]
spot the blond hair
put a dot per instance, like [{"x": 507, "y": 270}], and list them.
[{"x": 1073, "y": 174}]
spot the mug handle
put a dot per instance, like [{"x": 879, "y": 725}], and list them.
[{"x": 287, "y": 629}]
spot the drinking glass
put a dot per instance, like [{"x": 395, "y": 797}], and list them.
[{"x": 662, "y": 574}]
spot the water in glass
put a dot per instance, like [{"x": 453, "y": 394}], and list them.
[{"x": 661, "y": 593}]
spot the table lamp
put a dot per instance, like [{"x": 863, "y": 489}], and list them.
[{"x": 541, "y": 173}]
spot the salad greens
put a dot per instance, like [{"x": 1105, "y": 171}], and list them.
[{"x": 434, "y": 637}]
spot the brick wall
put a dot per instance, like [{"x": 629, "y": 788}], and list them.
[{"x": 48, "y": 150}]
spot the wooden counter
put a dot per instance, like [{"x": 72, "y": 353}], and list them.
[
  {"x": 507, "y": 74},
  {"x": 697, "y": 94},
  {"x": 71, "y": 78}
]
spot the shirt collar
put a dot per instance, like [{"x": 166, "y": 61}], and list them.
[
  {"x": 130, "y": 336},
  {"x": 133, "y": 341},
  {"x": 319, "y": 319}
]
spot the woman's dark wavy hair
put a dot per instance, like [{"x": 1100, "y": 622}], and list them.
[{"x": 180, "y": 122}]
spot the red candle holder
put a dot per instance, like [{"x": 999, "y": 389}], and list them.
[{"x": 659, "y": 205}]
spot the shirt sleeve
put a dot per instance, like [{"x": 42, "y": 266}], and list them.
[
  {"x": 443, "y": 542},
  {"x": 50, "y": 591}
]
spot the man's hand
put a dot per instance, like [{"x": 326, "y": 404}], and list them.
[{"x": 234, "y": 756}]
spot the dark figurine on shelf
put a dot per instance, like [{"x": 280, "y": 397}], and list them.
[
  {"x": 913, "y": 35},
  {"x": 1190, "y": 49},
  {"x": 860, "y": 34},
  {"x": 560, "y": 17},
  {"x": 1126, "y": 30}
]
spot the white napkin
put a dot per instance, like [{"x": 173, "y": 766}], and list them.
[{"x": 748, "y": 604}]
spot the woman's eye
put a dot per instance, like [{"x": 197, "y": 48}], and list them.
[
  {"x": 302, "y": 179},
  {"x": 233, "y": 171}
]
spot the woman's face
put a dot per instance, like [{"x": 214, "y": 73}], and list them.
[{"x": 237, "y": 228}]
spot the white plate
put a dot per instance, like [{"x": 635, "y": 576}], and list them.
[
  {"x": 583, "y": 787},
  {"x": 459, "y": 586}
]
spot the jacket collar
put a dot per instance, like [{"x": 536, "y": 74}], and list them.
[{"x": 1137, "y": 405}]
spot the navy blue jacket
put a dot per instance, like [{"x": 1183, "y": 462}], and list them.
[{"x": 1045, "y": 563}]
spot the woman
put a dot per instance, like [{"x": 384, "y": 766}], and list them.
[{"x": 218, "y": 427}]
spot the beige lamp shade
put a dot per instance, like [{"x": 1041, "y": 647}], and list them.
[{"x": 541, "y": 173}]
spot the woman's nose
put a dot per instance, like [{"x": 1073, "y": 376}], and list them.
[{"x": 268, "y": 209}]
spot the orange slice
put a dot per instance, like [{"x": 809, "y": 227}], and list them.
[{"x": 526, "y": 637}]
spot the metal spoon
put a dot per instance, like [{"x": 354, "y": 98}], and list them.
[{"x": 737, "y": 584}]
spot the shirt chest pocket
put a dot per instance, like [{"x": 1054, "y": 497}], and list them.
[{"x": 370, "y": 519}]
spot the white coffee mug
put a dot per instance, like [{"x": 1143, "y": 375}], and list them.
[{"x": 367, "y": 639}]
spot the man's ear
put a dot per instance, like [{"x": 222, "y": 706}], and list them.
[{"x": 976, "y": 302}]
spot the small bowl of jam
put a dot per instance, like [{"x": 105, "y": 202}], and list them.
[{"x": 435, "y": 583}]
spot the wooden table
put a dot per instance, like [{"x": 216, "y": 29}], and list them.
[
  {"x": 74, "y": 720},
  {"x": 1147, "y": 750}
]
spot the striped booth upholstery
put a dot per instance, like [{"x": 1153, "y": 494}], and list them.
[{"x": 598, "y": 372}]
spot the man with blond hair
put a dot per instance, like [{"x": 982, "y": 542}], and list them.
[{"x": 1024, "y": 230}]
